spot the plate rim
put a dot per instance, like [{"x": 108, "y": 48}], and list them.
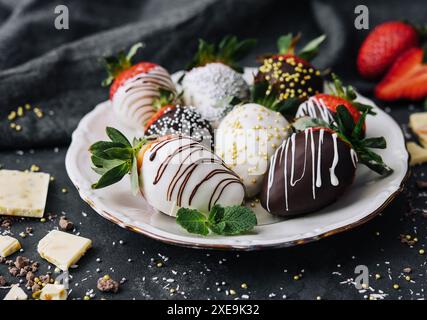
[{"x": 235, "y": 246}]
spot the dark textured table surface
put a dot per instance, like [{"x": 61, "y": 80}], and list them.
[{"x": 326, "y": 267}]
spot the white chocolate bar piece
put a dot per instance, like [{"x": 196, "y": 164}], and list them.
[
  {"x": 16, "y": 293},
  {"x": 63, "y": 249},
  {"x": 8, "y": 246},
  {"x": 23, "y": 193},
  {"x": 54, "y": 292},
  {"x": 418, "y": 153}
]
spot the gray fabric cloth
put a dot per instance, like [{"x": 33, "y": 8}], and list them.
[{"x": 60, "y": 70}]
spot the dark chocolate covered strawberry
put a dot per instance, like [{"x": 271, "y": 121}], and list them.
[
  {"x": 290, "y": 74},
  {"x": 317, "y": 163},
  {"x": 172, "y": 118}
]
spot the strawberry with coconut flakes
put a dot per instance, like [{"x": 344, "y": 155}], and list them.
[
  {"x": 134, "y": 87},
  {"x": 171, "y": 172},
  {"x": 291, "y": 74},
  {"x": 317, "y": 164},
  {"x": 324, "y": 105},
  {"x": 172, "y": 118},
  {"x": 214, "y": 77},
  {"x": 406, "y": 79},
  {"x": 384, "y": 45}
]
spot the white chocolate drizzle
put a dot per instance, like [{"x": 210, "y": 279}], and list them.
[
  {"x": 316, "y": 160},
  {"x": 315, "y": 108}
]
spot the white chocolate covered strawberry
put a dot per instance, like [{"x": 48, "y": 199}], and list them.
[
  {"x": 172, "y": 172},
  {"x": 135, "y": 87},
  {"x": 246, "y": 139}
]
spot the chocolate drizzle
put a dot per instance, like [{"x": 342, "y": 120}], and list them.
[
  {"x": 187, "y": 169},
  {"x": 330, "y": 161},
  {"x": 315, "y": 108}
]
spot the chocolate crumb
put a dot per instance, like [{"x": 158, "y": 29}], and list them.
[
  {"x": 106, "y": 284},
  {"x": 421, "y": 184},
  {"x": 2, "y": 281},
  {"x": 407, "y": 270},
  {"x": 65, "y": 224},
  {"x": 5, "y": 223},
  {"x": 14, "y": 271}
]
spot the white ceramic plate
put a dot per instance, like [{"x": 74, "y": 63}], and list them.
[{"x": 364, "y": 199}]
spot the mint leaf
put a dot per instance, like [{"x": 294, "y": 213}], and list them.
[
  {"x": 193, "y": 221},
  {"x": 228, "y": 221},
  {"x": 234, "y": 220}
]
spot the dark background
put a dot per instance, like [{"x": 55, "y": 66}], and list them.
[{"x": 60, "y": 72}]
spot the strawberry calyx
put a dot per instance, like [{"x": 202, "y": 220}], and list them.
[
  {"x": 286, "y": 45},
  {"x": 348, "y": 93},
  {"x": 261, "y": 94},
  {"x": 351, "y": 132},
  {"x": 229, "y": 51},
  {"x": 166, "y": 101},
  {"x": 115, "y": 158},
  {"x": 115, "y": 65}
]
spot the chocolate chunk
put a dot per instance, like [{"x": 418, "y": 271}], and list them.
[
  {"x": 421, "y": 184},
  {"x": 21, "y": 262},
  {"x": 65, "y": 224},
  {"x": 14, "y": 271},
  {"x": 36, "y": 287},
  {"x": 106, "y": 284},
  {"x": 30, "y": 276},
  {"x": 2, "y": 281},
  {"x": 6, "y": 223}
]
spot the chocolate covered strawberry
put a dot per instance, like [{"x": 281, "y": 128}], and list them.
[
  {"x": 290, "y": 74},
  {"x": 406, "y": 79},
  {"x": 214, "y": 77},
  {"x": 324, "y": 105},
  {"x": 171, "y": 172},
  {"x": 317, "y": 163},
  {"x": 134, "y": 87},
  {"x": 172, "y": 118},
  {"x": 383, "y": 46}
]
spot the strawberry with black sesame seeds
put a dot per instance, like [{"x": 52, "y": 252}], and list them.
[
  {"x": 324, "y": 105},
  {"x": 384, "y": 44},
  {"x": 289, "y": 73},
  {"x": 214, "y": 77},
  {"x": 134, "y": 87},
  {"x": 406, "y": 79},
  {"x": 171, "y": 118}
]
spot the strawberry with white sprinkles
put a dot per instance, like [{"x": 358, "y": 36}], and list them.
[{"x": 214, "y": 77}]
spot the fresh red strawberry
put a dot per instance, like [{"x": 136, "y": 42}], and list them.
[
  {"x": 290, "y": 75},
  {"x": 406, "y": 79},
  {"x": 383, "y": 45}
]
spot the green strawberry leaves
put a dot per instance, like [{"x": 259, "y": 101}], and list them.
[
  {"x": 286, "y": 45},
  {"x": 311, "y": 49},
  {"x": 226, "y": 221},
  {"x": 229, "y": 51},
  {"x": 348, "y": 93},
  {"x": 115, "y": 65},
  {"x": 116, "y": 158}
]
